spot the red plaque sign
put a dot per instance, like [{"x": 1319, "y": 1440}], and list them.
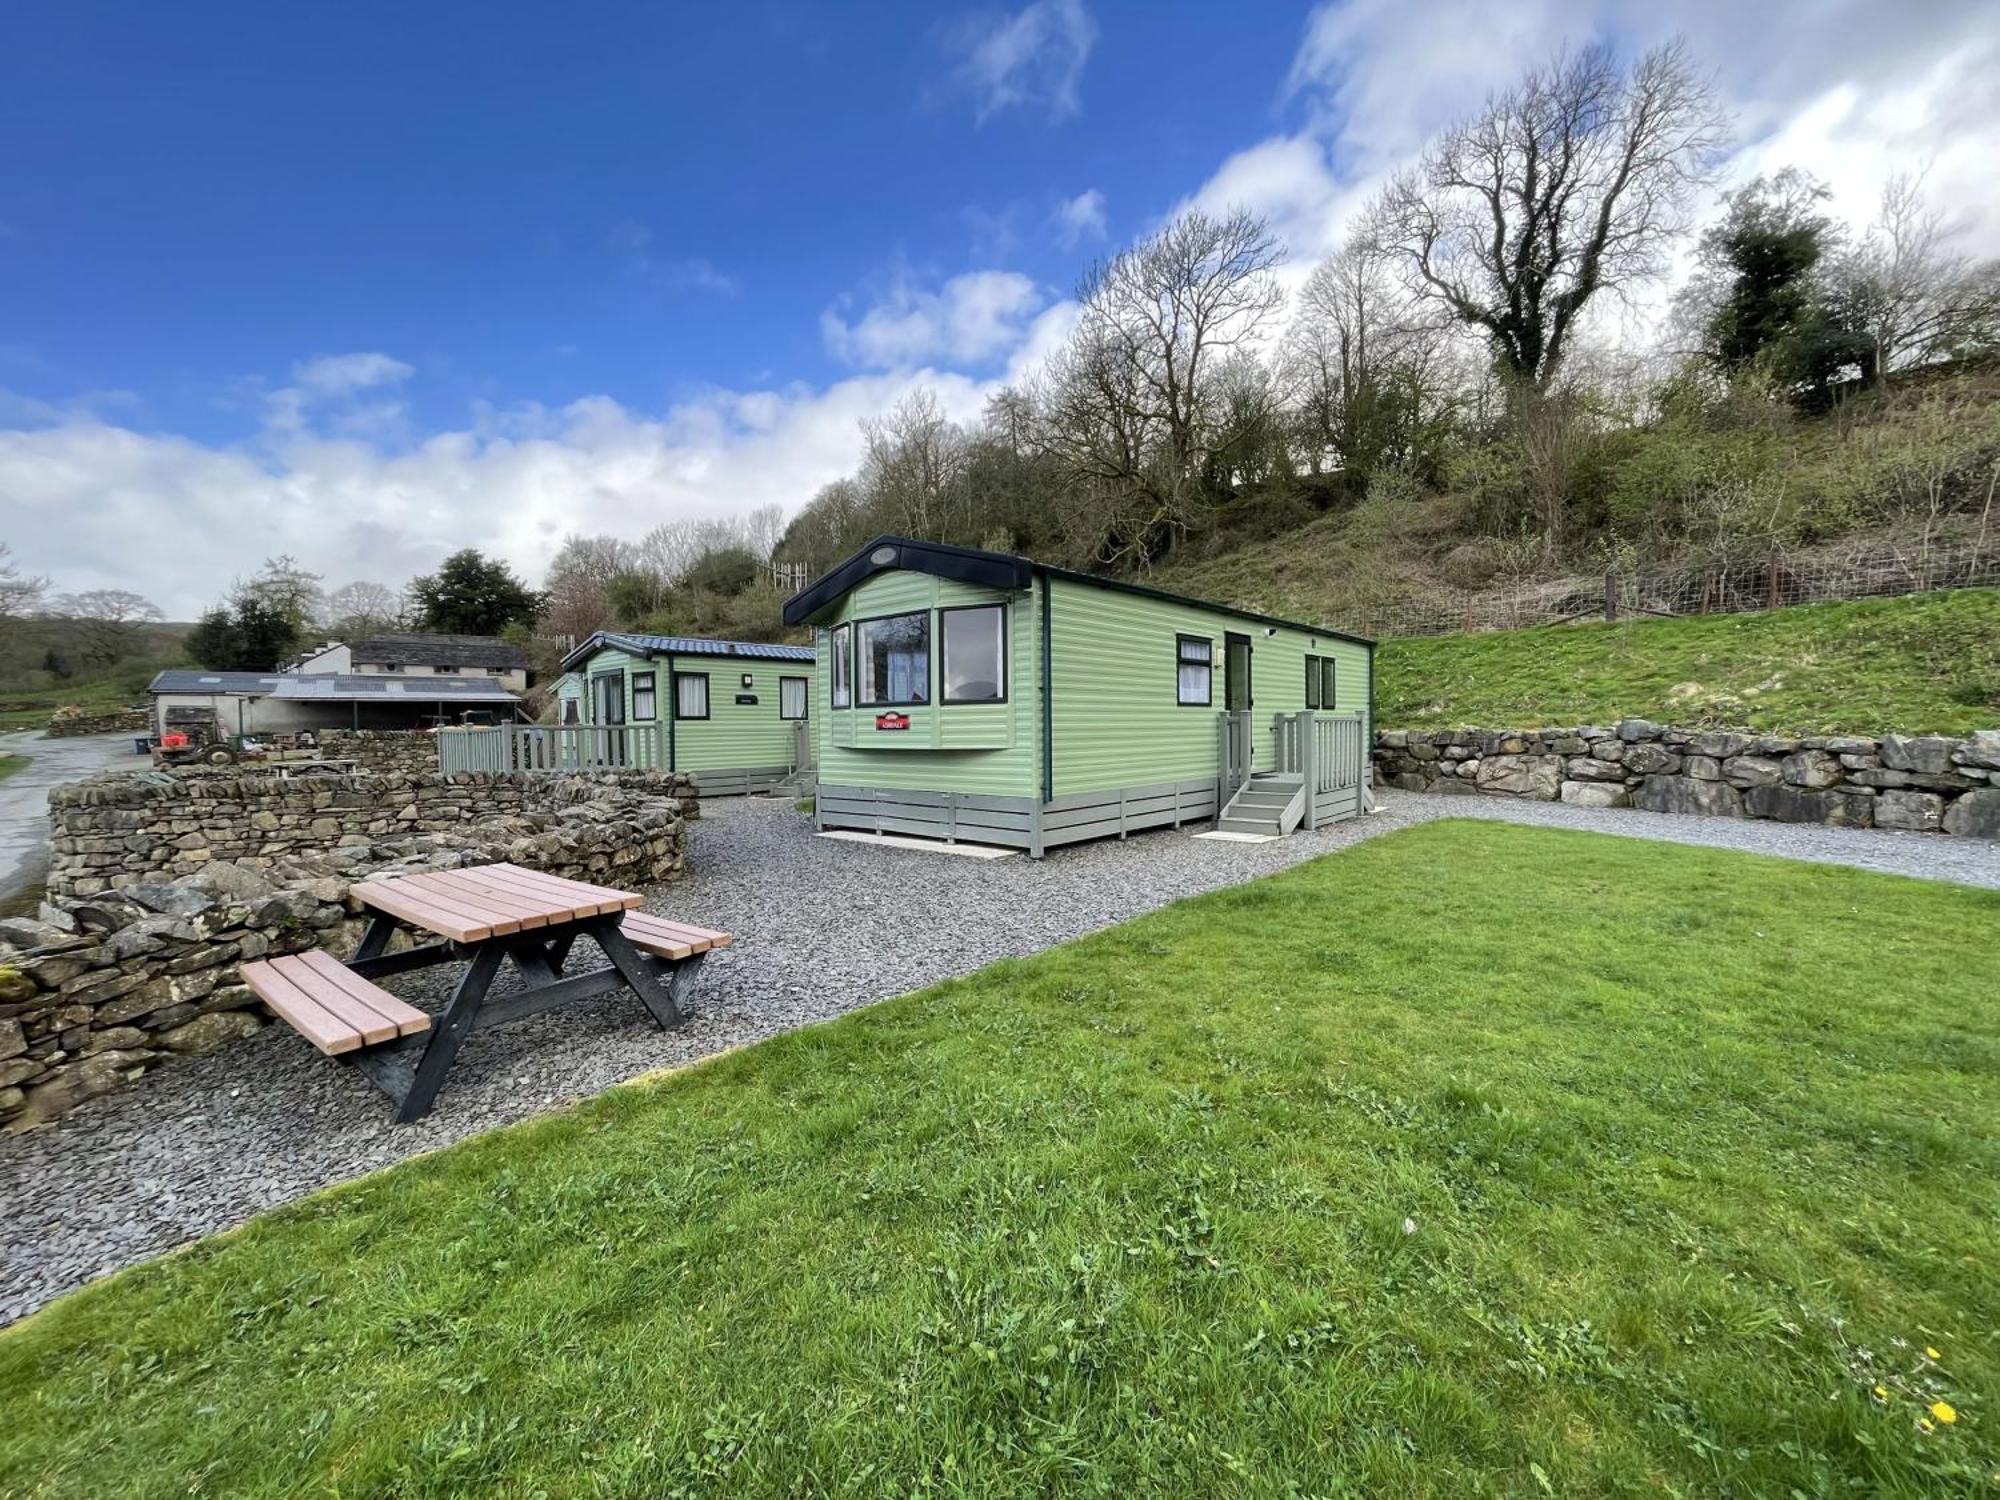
[{"x": 892, "y": 721}]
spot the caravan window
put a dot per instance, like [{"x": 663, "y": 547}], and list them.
[
  {"x": 895, "y": 660},
  {"x": 791, "y": 697},
  {"x": 841, "y": 666},
  {"x": 1195, "y": 687},
  {"x": 643, "y": 696},
  {"x": 973, "y": 659},
  {"x": 690, "y": 695}
]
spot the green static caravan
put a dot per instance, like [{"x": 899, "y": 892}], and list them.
[
  {"x": 989, "y": 698},
  {"x": 734, "y": 714}
]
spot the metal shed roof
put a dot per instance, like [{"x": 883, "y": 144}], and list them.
[
  {"x": 329, "y": 687},
  {"x": 685, "y": 645},
  {"x": 215, "y": 684},
  {"x": 342, "y": 688}
]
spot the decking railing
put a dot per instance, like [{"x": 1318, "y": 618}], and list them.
[
  {"x": 1235, "y": 755},
  {"x": 1327, "y": 752},
  {"x": 548, "y": 747}
]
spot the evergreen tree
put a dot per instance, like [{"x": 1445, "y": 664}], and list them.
[{"x": 472, "y": 595}]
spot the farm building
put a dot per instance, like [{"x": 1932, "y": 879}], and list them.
[
  {"x": 254, "y": 703},
  {"x": 420, "y": 656},
  {"x": 990, "y": 698},
  {"x": 734, "y": 714}
]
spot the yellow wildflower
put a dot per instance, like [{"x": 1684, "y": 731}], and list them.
[
  {"x": 1881, "y": 1393},
  {"x": 1932, "y": 1354},
  {"x": 1944, "y": 1412}
]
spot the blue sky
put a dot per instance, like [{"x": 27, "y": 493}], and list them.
[
  {"x": 555, "y": 201},
  {"x": 367, "y": 282}
]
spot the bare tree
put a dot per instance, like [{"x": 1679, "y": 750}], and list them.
[
  {"x": 914, "y": 466},
  {"x": 1571, "y": 183},
  {"x": 360, "y": 607},
  {"x": 20, "y": 593},
  {"x": 579, "y": 576},
  {"x": 1132, "y": 406},
  {"x": 1365, "y": 371},
  {"x": 105, "y": 622},
  {"x": 1918, "y": 299}
]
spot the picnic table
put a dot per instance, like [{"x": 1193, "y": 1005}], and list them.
[{"x": 484, "y": 917}]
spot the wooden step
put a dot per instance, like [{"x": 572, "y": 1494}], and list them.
[{"x": 329, "y": 1005}]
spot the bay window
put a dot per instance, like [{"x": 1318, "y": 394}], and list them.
[
  {"x": 894, "y": 660},
  {"x": 972, "y": 660}
]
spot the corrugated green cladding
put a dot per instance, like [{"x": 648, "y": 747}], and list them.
[
  {"x": 993, "y": 749},
  {"x": 735, "y": 736},
  {"x": 1117, "y": 718}
]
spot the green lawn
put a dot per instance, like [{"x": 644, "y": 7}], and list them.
[
  {"x": 1929, "y": 663},
  {"x": 1475, "y": 1160}
]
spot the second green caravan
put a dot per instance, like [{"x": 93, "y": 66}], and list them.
[{"x": 735, "y": 714}]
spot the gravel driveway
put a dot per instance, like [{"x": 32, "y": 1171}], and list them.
[{"x": 821, "y": 928}]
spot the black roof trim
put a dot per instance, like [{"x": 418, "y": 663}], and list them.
[
  {"x": 990, "y": 570},
  {"x": 999, "y": 570}
]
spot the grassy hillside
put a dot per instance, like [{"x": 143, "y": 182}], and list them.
[
  {"x": 30, "y": 691},
  {"x": 1926, "y": 663},
  {"x": 1919, "y": 461}
]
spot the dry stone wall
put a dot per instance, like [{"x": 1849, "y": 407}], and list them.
[
  {"x": 120, "y": 829},
  {"x": 140, "y": 970},
  {"x": 72, "y": 721},
  {"x": 410, "y": 751},
  {"x": 1921, "y": 783}
]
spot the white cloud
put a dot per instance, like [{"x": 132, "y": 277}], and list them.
[
  {"x": 96, "y": 504},
  {"x": 1032, "y": 58},
  {"x": 1850, "y": 91},
  {"x": 1080, "y": 218},
  {"x": 343, "y": 374},
  {"x": 971, "y": 319}
]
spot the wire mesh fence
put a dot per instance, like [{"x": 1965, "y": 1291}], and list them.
[{"x": 1722, "y": 585}]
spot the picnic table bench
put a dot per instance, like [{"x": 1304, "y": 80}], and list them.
[{"x": 483, "y": 916}]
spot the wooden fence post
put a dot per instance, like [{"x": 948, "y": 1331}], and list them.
[{"x": 1610, "y": 595}]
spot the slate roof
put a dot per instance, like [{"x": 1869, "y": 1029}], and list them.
[
  {"x": 685, "y": 645},
  {"x": 487, "y": 651}
]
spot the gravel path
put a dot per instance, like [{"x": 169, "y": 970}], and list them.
[{"x": 821, "y": 928}]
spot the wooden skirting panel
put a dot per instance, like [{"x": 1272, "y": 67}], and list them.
[
  {"x": 1334, "y": 807},
  {"x": 1011, "y": 821},
  {"x": 1132, "y": 809},
  {"x": 1007, "y": 821},
  {"x": 739, "y": 781}
]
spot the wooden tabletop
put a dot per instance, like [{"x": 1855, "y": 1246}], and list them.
[{"x": 485, "y": 901}]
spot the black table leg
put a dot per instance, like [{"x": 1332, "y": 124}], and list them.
[
  {"x": 449, "y": 1031},
  {"x": 659, "y": 997},
  {"x": 375, "y": 941}
]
